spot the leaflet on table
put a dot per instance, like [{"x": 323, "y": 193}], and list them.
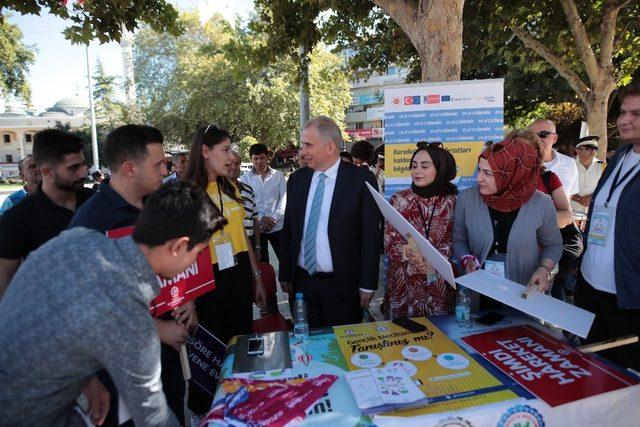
[
  {"x": 552, "y": 370},
  {"x": 444, "y": 372},
  {"x": 196, "y": 280},
  {"x": 551, "y": 310},
  {"x": 404, "y": 227},
  {"x": 384, "y": 389}
]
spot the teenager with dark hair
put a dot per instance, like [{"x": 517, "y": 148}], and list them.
[
  {"x": 270, "y": 188},
  {"x": 45, "y": 213},
  {"x": 135, "y": 156},
  {"x": 83, "y": 314},
  {"x": 362, "y": 153},
  {"x": 227, "y": 311}
]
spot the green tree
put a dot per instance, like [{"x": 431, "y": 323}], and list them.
[
  {"x": 591, "y": 44},
  {"x": 16, "y": 57},
  {"x": 109, "y": 112},
  {"x": 103, "y": 20}
]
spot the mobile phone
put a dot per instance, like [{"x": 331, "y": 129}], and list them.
[
  {"x": 255, "y": 346},
  {"x": 490, "y": 318},
  {"x": 409, "y": 324}
]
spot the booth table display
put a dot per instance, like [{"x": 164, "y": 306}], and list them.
[{"x": 463, "y": 388}]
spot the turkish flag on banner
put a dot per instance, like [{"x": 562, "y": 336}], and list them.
[{"x": 196, "y": 280}]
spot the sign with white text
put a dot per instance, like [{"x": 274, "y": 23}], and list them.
[{"x": 206, "y": 354}]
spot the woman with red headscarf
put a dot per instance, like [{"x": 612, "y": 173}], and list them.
[{"x": 504, "y": 224}]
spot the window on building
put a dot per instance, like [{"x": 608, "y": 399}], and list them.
[
  {"x": 7, "y": 138},
  {"x": 28, "y": 138},
  {"x": 9, "y": 158}
]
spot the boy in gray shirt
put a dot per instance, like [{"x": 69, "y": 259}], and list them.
[{"x": 81, "y": 303}]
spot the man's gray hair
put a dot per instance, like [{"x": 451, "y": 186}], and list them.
[
  {"x": 328, "y": 129},
  {"x": 21, "y": 162}
]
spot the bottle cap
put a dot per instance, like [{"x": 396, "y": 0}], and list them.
[{"x": 299, "y": 295}]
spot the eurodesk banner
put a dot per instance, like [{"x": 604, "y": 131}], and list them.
[
  {"x": 462, "y": 115},
  {"x": 448, "y": 376}
]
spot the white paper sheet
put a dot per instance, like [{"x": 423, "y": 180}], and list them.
[
  {"x": 551, "y": 310},
  {"x": 404, "y": 227}
]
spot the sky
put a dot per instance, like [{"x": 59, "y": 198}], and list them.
[{"x": 60, "y": 68}]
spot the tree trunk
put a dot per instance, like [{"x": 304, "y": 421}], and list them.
[
  {"x": 438, "y": 40},
  {"x": 435, "y": 30},
  {"x": 596, "y": 109},
  {"x": 304, "y": 86}
]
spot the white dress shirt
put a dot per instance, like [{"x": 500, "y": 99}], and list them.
[
  {"x": 597, "y": 262},
  {"x": 587, "y": 180},
  {"x": 270, "y": 194},
  {"x": 566, "y": 169},
  {"x": 324, "y": 262}
]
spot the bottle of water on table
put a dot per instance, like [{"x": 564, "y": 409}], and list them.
[
  {"x": 300, "y": 322},
  {"x": 463, "y": 307}
]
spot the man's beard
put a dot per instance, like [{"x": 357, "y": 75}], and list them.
[{"x": 67, "y": 186}]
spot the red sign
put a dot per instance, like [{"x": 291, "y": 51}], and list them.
[
  {"x": 553, "y": 371},
  {"x": 433, "y": 99},
  {"x": 366, "y": 133},
  {"x": 196, "y": 280}
]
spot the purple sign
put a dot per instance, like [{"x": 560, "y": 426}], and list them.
[{"x": 206, "y": 354}]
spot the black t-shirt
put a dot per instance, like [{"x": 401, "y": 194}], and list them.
[
  {"x": 33, "y": 222},
  {"x": 502, "y": 223}
]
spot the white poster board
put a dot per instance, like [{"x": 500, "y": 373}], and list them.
[
  {"x": 404, "y": 227},
  {"x": 544, "y": 307}
]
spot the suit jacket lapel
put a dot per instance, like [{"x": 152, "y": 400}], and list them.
[
  {"x": 341, "y": 180},
  {"x": 305, "y": 183}
]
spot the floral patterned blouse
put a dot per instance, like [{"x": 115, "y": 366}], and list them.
[{"x": 408, "y": 292}]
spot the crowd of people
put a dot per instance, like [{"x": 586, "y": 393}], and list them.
[{"x": 75, "y": 304}]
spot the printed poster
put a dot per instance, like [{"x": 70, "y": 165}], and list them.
[
  {"x": 196, "y": 280},
  {"x": 446, "y": 374},
  {"x": 463, "y": 115},
  {"x": 553, "y": 371},
  {"x": 206, "y": 354}
]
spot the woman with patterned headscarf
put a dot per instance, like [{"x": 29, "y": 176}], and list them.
[
  {"x": 504, "y": 225},
  {"x": 414, "y": 287}
]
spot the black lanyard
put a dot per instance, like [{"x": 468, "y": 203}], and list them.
[
  {"x": 427, "y": 228},
  {"x": 617, "y": 182}
]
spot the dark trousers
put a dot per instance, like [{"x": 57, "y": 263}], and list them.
[
  {"x": 274, "y": 239},
  {"x": 226, "y": 311},
  {"x": 610, "y": 322},
  {"x": 327, "y": 303}
]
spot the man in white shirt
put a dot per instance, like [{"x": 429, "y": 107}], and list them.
[
  {"x": 589, "y": 172},
  {"x": 563, "y": 166},
  {"x": 608, "y": 284},
  {"x": 270, "y": 190}
]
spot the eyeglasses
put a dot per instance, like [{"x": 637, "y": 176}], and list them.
[
  {"x": 545, "y": 133},
  {"x": 210, "y": 126},
  {"x": 424, "y": 144}
]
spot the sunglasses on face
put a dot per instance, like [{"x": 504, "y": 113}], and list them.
[{"x": 545, "y": 133}]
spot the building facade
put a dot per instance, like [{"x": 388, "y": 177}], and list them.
[{"x": 18, "y": 126}]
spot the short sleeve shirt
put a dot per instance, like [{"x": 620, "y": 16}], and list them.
[
  {"x": 106, "y": 210},
  {"x": 554, "y": 182},
  {"x": 233, "y": 232},
  {"x": 33, "y": 222}
]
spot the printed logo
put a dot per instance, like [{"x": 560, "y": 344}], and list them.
[
  {"x": 349, "y": 332},
  {"x": 454, "y": 422},
  {"x": 432, "y": 99},
  {"x": 396, "y": 100},
  {"x": 445, "y": 98},
  {"x": 521, "y": 415},
  {"x": 382, "y": 328},
  {"x": 174, "y": 291},
  {"x": 412, "y": 100}
]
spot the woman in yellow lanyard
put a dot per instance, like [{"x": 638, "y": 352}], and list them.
[{"x": 227, "y": 311}]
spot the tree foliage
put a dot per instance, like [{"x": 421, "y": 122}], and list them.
[
  {"x": 16, "y": 57},
  {"x": 103, "y": 20},
  {"x": 210, "y": 75}
]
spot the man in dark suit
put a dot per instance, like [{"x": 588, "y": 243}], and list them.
[{"x": 329, "y": 247}]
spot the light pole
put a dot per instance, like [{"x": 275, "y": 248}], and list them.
[{"x": 94, "y": 132}]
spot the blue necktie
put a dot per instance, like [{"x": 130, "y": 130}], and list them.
[{"x": 312, "y": 227}]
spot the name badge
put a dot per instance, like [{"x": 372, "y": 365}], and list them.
[
  {"x": 495, "y": 264},
  {"x": 600, "y": 225},
  {"x": 224, "y": 254}
]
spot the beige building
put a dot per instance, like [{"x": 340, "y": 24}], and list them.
[{"x": 18, "y": 126}]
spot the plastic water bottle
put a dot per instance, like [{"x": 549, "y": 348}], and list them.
[
  {"x": 300, "y": 322},
  {"x": 463, "y": 307}
]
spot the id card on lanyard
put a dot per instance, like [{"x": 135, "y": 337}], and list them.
[
  {"x": 496, "y": 264},
  {"x": 602, "y": 217},
  {"x": 222, "y": 244}
]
